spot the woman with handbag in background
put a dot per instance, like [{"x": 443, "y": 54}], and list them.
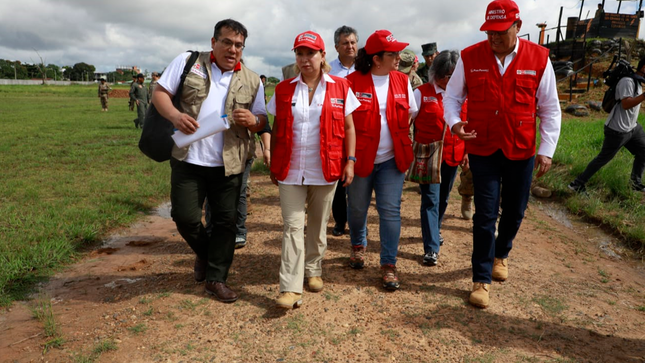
[
  {"x": 437, "y": 153},
  {"x": 312, "y": 148},
  {"x": 383, "y": 149}
]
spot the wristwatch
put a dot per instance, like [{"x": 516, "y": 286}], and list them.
[
  {"x": 257, "y": 121},
  {"x": 351, "y": 158}
]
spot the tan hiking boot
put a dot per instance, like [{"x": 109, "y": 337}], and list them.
[
  {"x": 467, "y": 207},
  {"x": 289, "y": 300},
  {"x": 315, "y": 283},
  {"x": 479, "y": 296},
  {"x": 500, "y": 269}
]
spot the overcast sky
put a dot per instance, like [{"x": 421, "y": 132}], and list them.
[{"x": 150, "y": 33}]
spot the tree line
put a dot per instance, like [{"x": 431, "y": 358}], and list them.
[{"x": 78, "y": 72}]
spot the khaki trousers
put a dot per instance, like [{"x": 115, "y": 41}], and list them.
[{"x": 303, "y": 255}]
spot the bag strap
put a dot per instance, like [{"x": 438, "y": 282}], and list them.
[{"x": 189, "y": 64}]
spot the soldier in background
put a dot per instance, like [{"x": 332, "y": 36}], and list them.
[
  {"x": 131, "y": 102},
  {"x": 104, "y": 90},
  {"x": 405, "y": 66},
  {"x": 139, "y": 93},
  {"x": 153, "y": 83},
  {"x": 429, "y": 53}
]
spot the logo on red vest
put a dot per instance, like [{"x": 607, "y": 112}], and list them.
[
  {"x": 364, "y": 97},
  {"x": 337, "y": 102},
  {"x": 478, "y": 70},
  {"x": 400, "y": 95},
  {"x": 430, "y": 99},
  {"x": 526, "y": 72}
]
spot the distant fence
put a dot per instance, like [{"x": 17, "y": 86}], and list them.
[{"x": 30, "y": 82}]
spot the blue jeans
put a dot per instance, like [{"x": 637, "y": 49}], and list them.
[
  {"x": 489, "y": 172},
  {"x": 430, "y": 217},
  {"x": 448, "y": 174},
  {"x": 387, "y": 183}
]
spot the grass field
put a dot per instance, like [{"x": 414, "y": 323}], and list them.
[{"x": 71, "y": 173}]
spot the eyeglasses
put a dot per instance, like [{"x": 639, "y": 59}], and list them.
[
  {"x": 393, "y": 54},
  {"x": 228, "y": 43}
]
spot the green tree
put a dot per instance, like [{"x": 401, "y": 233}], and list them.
[
  {"x": 82, "y": 72},
  {"x": 273, "y": 80},
  {"x": 67, "y": 72},
  {"x": 54, "y": 72}
]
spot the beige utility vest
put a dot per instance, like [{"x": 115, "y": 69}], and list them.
[{"x": 241, "y": 94}]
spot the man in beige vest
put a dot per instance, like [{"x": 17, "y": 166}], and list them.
[{"x": 212, "y": 167}]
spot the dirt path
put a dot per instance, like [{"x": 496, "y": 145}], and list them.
[{"x": 567, "y": 300}]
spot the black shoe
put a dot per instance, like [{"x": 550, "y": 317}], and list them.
[
  {"x": 200, "y": 269},
  {"x": 576, "y": 187},
  {"x": 440, "y": 240},
  {"x": 430, "y": 259},
  {"x": 639, "y": 187},
  {"x": 338, "y": 230},
  {"x": 240, "y": 242}
]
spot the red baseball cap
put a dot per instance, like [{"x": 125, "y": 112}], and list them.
[
  {"x": 383, "y": 41},
  {"x": 500, "y": 15},
  {"x": 310, "y": 40}
]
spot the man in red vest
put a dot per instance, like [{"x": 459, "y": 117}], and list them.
[{"x": 508, "y": 82}]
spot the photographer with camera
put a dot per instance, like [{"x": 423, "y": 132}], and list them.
[{"x": 621, "y": 130}]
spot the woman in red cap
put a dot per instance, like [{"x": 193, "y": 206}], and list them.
[
  {"x": 312, "y": 147},
  {"x": 383, "y": 149}
]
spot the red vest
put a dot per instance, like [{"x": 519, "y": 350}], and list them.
[
  {"x": 367, "y": 121},
  {"x": 501, "y": 109},
  {"x": 332, "y": 129},
  {"x": 428, "y": 126}
]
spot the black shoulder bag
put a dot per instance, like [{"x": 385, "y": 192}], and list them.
[{"x": 156, "y": 138}]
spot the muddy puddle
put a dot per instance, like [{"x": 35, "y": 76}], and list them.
[{"x": 611, "y": 246}]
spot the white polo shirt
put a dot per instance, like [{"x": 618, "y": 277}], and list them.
[{"x": 208, "y": 151}]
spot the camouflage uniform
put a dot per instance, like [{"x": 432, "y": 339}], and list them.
[
  {"x": 104, "y": 89},
  {"x": 131, "y": 103},
  {"x": 405, "y": 66},
  {"x": 151, "y": 88},
  {"x": 139, "y": 92},
  {"x": 153, "y": 83}
]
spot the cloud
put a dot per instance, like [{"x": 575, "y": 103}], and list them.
[{"x": 150, "y": 33}]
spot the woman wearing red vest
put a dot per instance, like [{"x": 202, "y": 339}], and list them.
[
  {"x": 312, "y": 147},
  {"x": 383, "y": 148},
  {"x": 429, "y": 127}
]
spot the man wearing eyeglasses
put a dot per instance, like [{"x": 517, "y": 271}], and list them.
[
  {"x": 508, "y": 82},
  {"x": 212, "y": 167}
]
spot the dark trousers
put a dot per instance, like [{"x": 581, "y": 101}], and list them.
[
  {"x": 190, "y": 185},
  {"x": 489, "y": 172},
  {"x": 339, "y": 205},
  {"x": 448, "y": 174},
  {"x": 633, "y": 141},
  {"x": 242, "y": 206}
]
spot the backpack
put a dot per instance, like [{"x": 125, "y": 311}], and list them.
[
  {"x": 156, "y": 137},
  {"x": 612, "y": 76}
]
